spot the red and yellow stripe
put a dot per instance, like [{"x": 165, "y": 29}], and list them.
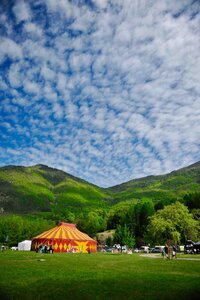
[{"x": 65, "y": 237}]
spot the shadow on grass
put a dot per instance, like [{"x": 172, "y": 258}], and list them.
[{"x": 101, "y": 289}]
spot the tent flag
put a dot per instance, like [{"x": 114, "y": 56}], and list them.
[{"x": 65, "y": 238}]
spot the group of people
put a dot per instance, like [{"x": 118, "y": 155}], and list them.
[
  {"x": 45, "y": 249},
  {"x": 71, "y": 250},
  {"x": 169, "y": 251}
]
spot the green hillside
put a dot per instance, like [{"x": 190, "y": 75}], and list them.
[
  {"x": 40, "y": 188},
  {"x": 164, "y": 187},
  {"x": 43, "y": 189}
]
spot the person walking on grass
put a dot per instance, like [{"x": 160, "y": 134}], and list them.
[
  {"x": 174, "y": 251},
  {"x": 166, "y": 251}
]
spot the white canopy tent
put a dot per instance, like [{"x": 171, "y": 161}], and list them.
[{"x": 25, "y": 245}]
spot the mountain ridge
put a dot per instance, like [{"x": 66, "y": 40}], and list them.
[
  {"x": 42, "y": 188},
  {"x": 194, "y": 165}
]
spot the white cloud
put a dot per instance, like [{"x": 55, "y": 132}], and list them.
[
  {"x": 100, "y": 3},
  {"x": 47, "y": 73},
  {"x": 49, "y": 93},
  {"x": 58, "y": 110},
  {"x": 14, "y": 75},
  {"x": 33, "y": 29},
  {"x": 3, "y": 85},
  {"x": 63, "y": 7},
  {"x": 10, "y": 49},
  {"x": 22, "y": 11},
  {"x": 108, "y": 91},
  {"x": 31, "y": 87}
]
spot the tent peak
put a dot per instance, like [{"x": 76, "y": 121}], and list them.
[{"x": 67, "y": 224}]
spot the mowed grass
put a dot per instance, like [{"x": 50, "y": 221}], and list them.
[{"x": 29, "y": 275}]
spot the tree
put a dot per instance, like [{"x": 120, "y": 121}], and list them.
[
  {"x": 109, "y": 241},
  {"x": 192, "y": 200},
  {"x": 118, "y": 215},
  {"x": 18, "y": 228},
  {"x": 70, "y": 217},
  {"x": 173, "y": 222},
  {"x": 124, "y": 237},
  {"x": 196, "y": 214},
  {"x": 137, "y": 218},
  {"x": 91, "y": 222}
]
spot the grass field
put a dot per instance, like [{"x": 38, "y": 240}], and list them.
[{"x": 29, "y": 275}]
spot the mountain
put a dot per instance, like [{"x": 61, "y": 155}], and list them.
[
  {"x": 40, "y": 189},
  {"x": 163, "y": 187}
]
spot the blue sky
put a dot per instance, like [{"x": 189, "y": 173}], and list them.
[{"x": 106, "y": 90}]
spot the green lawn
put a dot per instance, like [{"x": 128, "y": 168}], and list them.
[{"x": 96, "y": 276}]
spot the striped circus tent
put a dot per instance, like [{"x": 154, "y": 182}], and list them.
[{"x": 65, "y": 238}]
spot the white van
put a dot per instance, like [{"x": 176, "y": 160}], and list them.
[{"x": 144, "y": 249}]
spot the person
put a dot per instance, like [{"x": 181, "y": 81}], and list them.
[
  {"x": 165, "y": 251},
  {"x": 174, "y": 251},
  {"x": 45, "y": 248},
  {"x": 51, "y": 249}
]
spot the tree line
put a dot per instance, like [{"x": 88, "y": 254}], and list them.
[{"x": 137, "y": 223}]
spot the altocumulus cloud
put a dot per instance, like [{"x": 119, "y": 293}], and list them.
[{"x": 107, "y": 90}]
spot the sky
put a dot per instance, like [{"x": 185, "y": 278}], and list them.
[{"x": 106, "y": 90}]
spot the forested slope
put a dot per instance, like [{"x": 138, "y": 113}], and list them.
[
  {"x": 42, "y": 189},
  {"x": 164, "y": 187}
]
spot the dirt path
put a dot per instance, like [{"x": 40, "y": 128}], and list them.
[{"x": 152, "y": 255}]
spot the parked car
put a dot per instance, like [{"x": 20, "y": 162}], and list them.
[
  {"x": 192, "y": 247},
  {"x": 124, "y": 248},
  {"x": 151, "y": 250},
  {"x": 117, "y": 246},
  {"x": 136, "y": 250},
  {"x": 109, "y": 250},
  {"x": 144, "y": 249},
  {"x": 157, "y": 249},
  {"x": 14, "y": 248}
]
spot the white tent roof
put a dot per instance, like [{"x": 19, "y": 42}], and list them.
[{"x": 24, "y": 245}]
